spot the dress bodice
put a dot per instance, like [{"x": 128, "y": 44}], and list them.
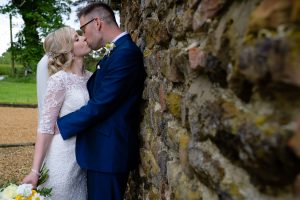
[{"x": 76, "y": 94}]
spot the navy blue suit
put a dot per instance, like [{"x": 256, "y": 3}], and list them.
[{"x": 107, "y": 127}]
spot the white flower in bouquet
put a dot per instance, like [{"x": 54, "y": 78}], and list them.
[
  {"x": 9, "y": 193},
  {"x": 37, "y": 196},
  {"x": 24, "y": 190}
]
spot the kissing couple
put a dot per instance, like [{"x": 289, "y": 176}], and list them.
[{"x": 88, "y": 122}]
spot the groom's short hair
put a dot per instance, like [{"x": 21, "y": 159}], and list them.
[{"x": 102, "y": 10}]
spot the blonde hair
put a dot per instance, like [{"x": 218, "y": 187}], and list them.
[{"x": 58, "y": 45}]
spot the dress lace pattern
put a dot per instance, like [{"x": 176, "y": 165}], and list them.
[{"x": 66, "y": 92}]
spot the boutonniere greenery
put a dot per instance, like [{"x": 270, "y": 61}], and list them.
[{"x": 105, "y": 51}]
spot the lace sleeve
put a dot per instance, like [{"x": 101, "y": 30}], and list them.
[{"x": 53, "y": 100}]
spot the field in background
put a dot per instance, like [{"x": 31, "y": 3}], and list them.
[
  {"x": 18, "y": 90},
  {"x": 5, "y": 69}
]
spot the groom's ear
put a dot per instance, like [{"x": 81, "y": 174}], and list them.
[{"x": 98, "y": 23}]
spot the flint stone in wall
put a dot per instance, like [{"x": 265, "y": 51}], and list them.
[
  {"x": 209, "y": 64},
  {"x": 147, "y": 136},
  {"x": 258, "y": 146},
  {"x": 155, "y": 33},
  {"x": 206, "y": 166},
  {"x": 200, "y": 91},
  {"x": 151, "y": 63},
  {"x": 149, "y": 164},
  {"x": 197, "y": 58},
  {"x": 234, "y": 182},
  {"x": 193, "y": 3},
  {"x": 206, "y": 10},
  {"x": 162, "y": 97},
  {"x": 185, "y": 187},
  {"x": 274, "y": 60},
  {"x": 273, "y": 13},
  {"x": 176, "y": 61},
  {"x": 149, "y": 4},
  {"x": 156, "y": 119},
  {"x": 227, "y": 33},
  {"x": 174, "y": 135},
  {"x": 152, "y": 89},
  {"x": 174, "y": 103}
]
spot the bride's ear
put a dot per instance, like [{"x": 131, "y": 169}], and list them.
[{"x": 71, "y": 55}]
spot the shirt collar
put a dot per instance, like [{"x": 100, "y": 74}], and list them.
[{"x": 119, "y": 36}]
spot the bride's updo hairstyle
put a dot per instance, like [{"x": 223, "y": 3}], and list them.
[{"x": 58, "y": 46}]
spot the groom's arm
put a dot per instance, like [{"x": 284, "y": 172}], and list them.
[{"x": 114, "y": 86}]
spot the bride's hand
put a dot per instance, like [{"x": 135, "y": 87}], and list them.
[{"x": 32, "y": 178}]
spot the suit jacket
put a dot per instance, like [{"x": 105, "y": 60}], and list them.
[{"x": 107, "y": 127}]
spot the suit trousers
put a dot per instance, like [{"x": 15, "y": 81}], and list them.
[{"x": 106, "y": 186}]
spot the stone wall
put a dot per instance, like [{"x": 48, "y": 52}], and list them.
[{"x": 222, "y": 95}]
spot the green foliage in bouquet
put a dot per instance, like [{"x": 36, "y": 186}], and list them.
[
  {"x": 43, "y": 175},
  {"x": 42, "y": 179},
  {"x": 46, "y": 192}
]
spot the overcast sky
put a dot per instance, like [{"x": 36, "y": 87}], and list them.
[{"x": 18, "y": 24}]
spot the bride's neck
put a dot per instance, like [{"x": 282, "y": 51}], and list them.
[{"x": 77, "y": 66}]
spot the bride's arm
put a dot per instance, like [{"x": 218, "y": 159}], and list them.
[
  {"x": 40, "y": 150},
  {"x": 52, "y": 104}
]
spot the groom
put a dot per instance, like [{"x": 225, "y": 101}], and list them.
[{"x": 107, "y": 127}]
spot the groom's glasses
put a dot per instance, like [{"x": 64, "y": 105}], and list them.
[{"x": 81, "y": 27}]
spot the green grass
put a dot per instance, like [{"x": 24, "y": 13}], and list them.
[
  {"x": 18, "y": 89},
  {"x": 27, "y": 79},
  {"x": 15, "y": 92},
  {"x": 5, "y": 70}
]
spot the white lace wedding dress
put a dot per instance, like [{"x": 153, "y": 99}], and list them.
[{"x": 66, "y": 92}]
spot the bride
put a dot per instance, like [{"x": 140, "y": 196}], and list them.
[{"x": 66, "y": 92}]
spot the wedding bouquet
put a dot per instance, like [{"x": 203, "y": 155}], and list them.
[
  {"x": 21, "y": 192},
  {"x": 12, "y": 191}
]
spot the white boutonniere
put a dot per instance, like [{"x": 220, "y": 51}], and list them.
[{"x": 106, "y": 50}]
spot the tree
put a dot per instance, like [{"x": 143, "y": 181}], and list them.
[
  {"x": 40, "y": 17},
  {"x": 5, "y": 58}
]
